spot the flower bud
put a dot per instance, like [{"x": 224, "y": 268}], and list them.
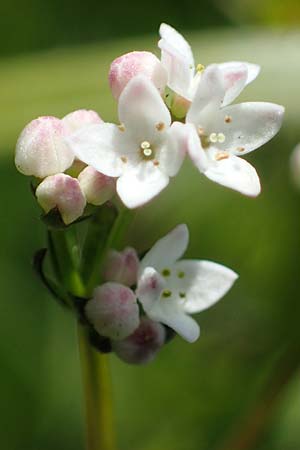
[
  {"x": 41, "y": 149},
  {"x": 78, "y": 119},
  {"x": 113, "y": 311},
  {"x": 295, "y": 166},
  {"x": 64, "y": 193},
  {"x": 141, "y": 346},
  {"x": 131, "y": 64},
  {"x": 97, "y": 187},
  {"x": 122, "y": 267}
]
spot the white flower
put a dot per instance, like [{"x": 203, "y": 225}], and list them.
[
  {"x": 170, "y": 289},
  {"x": 113, "y": 311},
  {"x": 220, "y": 134},
  {"x": 184, "y": 76},
  {"x": 64, "y": 193},
  {"x": 143, "y": 152}
]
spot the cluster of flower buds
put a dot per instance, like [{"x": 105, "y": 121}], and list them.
[
  {"x": 167, "y": 109},
  {"x": 164, "y": 287}
]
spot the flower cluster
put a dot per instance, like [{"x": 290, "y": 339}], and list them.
[
  {"x": 167, "y": 110},
  {"x": 167, "y": 289}
]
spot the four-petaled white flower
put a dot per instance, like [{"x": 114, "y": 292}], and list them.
[
  {"x": 143, "y": 152},
  {"x": 184, "y": 76},
  {"x": 170, "y": 289},
  {"x": 220, "y": 134}
]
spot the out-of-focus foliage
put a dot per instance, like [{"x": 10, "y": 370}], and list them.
[{"x": 244, "y": 368}]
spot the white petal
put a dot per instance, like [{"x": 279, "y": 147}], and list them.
[
  {"x": 250, "y": 125},
  {"x": 173, "y": 152},
  {"x": 177, "y": 58},
  {"x": 204, "y": 283},
  {"x": 168, "y": 249},
  {"x": 195, "y": 150},
  {"x": 149, "y": 288},
  {"x": 235, "y": 173},
  {"x": 208, "y": 98},
  {"x": 99, "y": 146},
  {"x": 138, "y": 185},
  {"x": 141, "y": 109}
]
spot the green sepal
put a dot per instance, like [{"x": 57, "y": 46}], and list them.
[{"x": 57, "y": 291}]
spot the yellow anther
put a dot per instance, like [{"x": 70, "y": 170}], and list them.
[
  {"x": 166, "y": 293},
  {"x": 221, "y": 155},
  {"x": 181, "y": 274},
  {"x": 124, "y": 159},
  {"x": 200, "y": 68},
  {"x": 160, "y": 126},
  {"x": 166, "y": 272},
  {"x": 227, "y": 119},
  {"x": 182, "y": 294},
  {"x": 121, "y": 127}
]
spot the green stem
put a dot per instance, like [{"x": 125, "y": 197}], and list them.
[{"x": 97, "y": 393}]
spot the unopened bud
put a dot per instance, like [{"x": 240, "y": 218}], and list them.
[
  {"x": 113, "y": 311},
  {"x": 78, "y": 119},
  {"x": 122, "y": 267},
  {"x": 64, "y": 193},
  {"x": 141, "y": 347},
  {"x": 41, "y": 149},
  {"x": 295, "y": 166},
  {"x": 97, "y": 187},
  {"x": 131, "y": 64}
]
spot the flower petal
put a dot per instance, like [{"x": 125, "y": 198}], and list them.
[
  {"x": 208, "y": 98},
  {"x": 150, "y": 287},
  {"x": 167, "y": 250},
  {"x": 195, "y": 150},
  {"x": 138, "y": 185},
  {"x": 141, "y": 109},
  {"x": 204, "y": 283},
  {"x": 247, "y": 126},
  {"x": 173, "y": 152},
  {"x": 99, "y": 146},
  {"x": 177, "y": 58},
  {"x": 235, "y": 173}
]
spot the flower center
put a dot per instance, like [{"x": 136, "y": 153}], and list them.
[
  {"x": 213, "y": 138},
  {"x": 146, "y": 150}
]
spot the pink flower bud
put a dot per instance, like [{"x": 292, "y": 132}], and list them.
[
  {"x": 122, "y": 267},
  {"x": 64, "y": 193},
  {"x": 141, "y": 346},
  {"x": 78, "y": 119},
  {"x": 131, "y": 64},
  {"x": 41, "y": 150},
  {"x": 113, "y": 311},
  {"x": 97, "y": 187}
]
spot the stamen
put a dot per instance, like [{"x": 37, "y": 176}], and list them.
[
  {"x": 155, "y": 162},
  {"x": 160, "y": 126},
  {"x": 166, "y": 293},
  {"x": 227, "y": 119},
  {"x": 181, "y": 274},
  {"x": 201, "y": 131},
  {"x": 221, "y": 155},
  {"x": 121, "y": 127},
  {"x": 124, "y": 159},
  {"x": 166, "y": 272},
  {"x": 182, "y": 294},
  {"x": 240, "y": 149},
  {"x": 200, "y": 68}
]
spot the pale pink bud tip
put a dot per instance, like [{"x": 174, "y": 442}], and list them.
[
  {"x": 64, "y": 193},
  {"x": 113, "y": 311},
  {"x": 41, "y": 149},
  {"x": 78, "y": 119},
  {"x": 122, "y": 267},
  {"x": 97, "y": 187},
  {"x": 142, "y": 346},
  {"x": 131, "y": 64}
]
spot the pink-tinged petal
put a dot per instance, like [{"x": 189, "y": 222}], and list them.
[
  {"x": 141, "y": 109},
  {"x": 247, "y": 126},
  {"x": 235, "y": 77},
  {"x": 122, "y": 267},
  {"x": 99, "y": 146},
  {"x": 80, "y": 118},
  {"x": 97, "y": 187},
  {"x": 64, "y": 193},
  {"x": 150, "y": 287},
  {"x": 142, "y": 346},
  {"x": 41, "y": 150},
  {"x": 127, "y": 66},
  {"x": 167, "y": 250},
  {"x": 235, "y": 173},
  {"x": 140, "y": 184},
  {"x": 177, "y": 58},
  {"x": 173, "y": 152},
  {"x": 113, "y": 311},
  {"x": 203, "y": 283},
  {"x": 195, "y": 150},
  {"x": 207, "y": 99}
]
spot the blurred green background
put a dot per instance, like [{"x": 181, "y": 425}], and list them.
[{"x": 237, "y": 388}]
